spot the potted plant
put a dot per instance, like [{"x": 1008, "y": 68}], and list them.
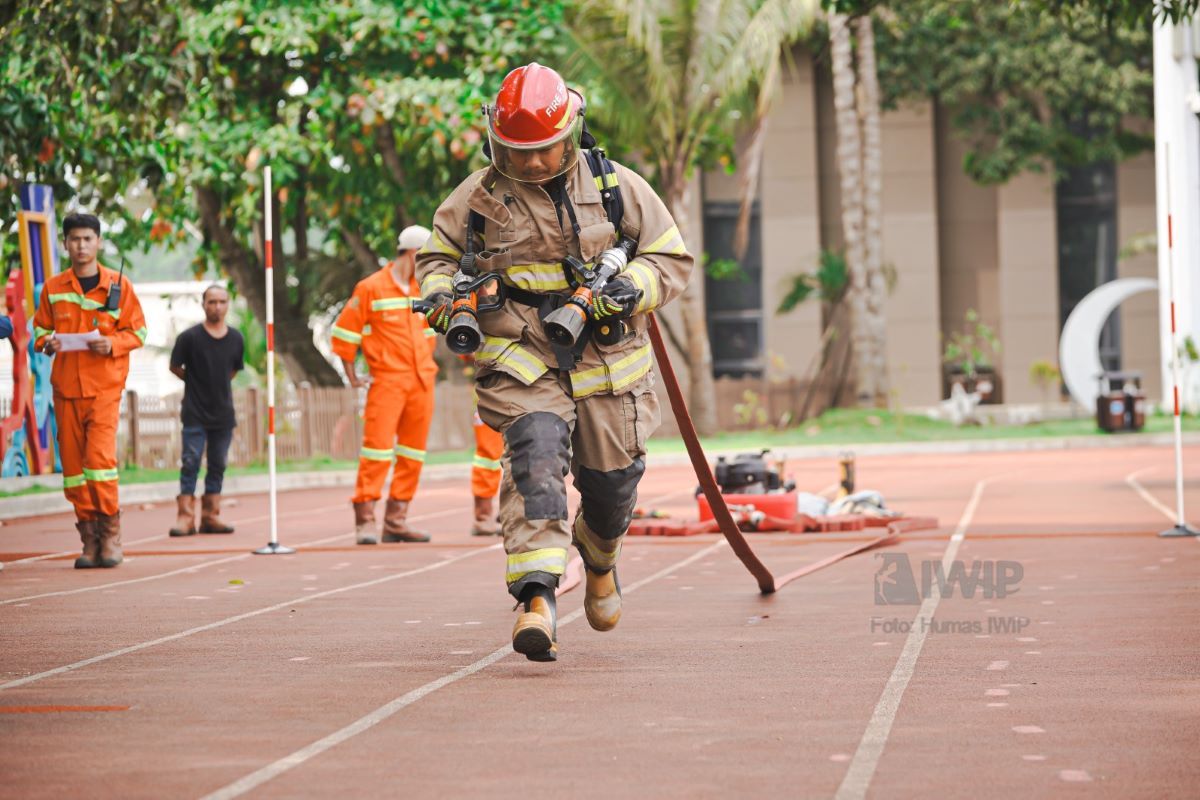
[
  {"x": 969, "y": 358},
  {"x": 1044, "y": 375}
]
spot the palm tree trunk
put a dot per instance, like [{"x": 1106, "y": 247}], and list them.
[
  {"x": 850, "y": 168},
  {"x": 872, "y": 150},
  {"x": 701, "y": 389}
]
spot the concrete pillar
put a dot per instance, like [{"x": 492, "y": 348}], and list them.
[
  {"x": 791, "y": 223},
  {"x": 910, "y": 245},
  {"x": 1177, "y": 137}
]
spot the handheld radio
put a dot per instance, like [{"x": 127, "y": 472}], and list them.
[{"x": 113, "y": 301}]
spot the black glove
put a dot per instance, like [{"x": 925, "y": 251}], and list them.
[
  {"x": 618, "y": 300},
  {"x": 438, "y": 317}
]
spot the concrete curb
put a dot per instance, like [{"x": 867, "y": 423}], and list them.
[
  {"x": 37, "y": 505},
  {"x": 43, "y": 504}
]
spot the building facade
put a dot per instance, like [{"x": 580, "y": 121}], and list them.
[{"x": 1020, "y": 254}]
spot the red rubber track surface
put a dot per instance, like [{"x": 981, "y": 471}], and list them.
[{"x": 197, "y": 668}]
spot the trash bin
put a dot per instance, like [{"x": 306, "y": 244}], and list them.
[{"x": 1121, "y": 403}]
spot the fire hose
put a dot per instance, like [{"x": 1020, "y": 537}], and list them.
[{"x": 767, "y": 582}]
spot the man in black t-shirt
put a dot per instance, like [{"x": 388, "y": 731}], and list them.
[{"x": 206, "y": 357}]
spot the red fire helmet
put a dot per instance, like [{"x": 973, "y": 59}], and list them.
[{"x": 535, "y": 126}]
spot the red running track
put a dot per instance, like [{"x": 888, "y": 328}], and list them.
[{"x": 199, "y": 670}]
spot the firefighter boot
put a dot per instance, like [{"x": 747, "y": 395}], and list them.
[
  {"x": 485, "y": 522},
  {"x": 108, "y": 530},
  {"x": 91, "y": 544},
  {"x": 185, "y": 521},
  {"x": 602, "y": 598},
  {"x": 535, "y": 635},
  {"x": 210, "y": 515},
  {"x": 395, "y": 525},
  {"x": 364, "y": 523}
]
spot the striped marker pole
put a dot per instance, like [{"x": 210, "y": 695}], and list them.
[
  {"x": 1181, "y": 527},
  {"x": 273, "y": 546}
]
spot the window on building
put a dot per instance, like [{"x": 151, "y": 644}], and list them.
[
  {"x": 734, "y": 305},
  {"x": 1087, "y": 245}
]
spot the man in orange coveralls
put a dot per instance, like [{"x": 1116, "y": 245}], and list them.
[
  {"x": 89, "y": 299},
  {"x": 398, "y": 347},
  {"x": 485, "y": 473}
]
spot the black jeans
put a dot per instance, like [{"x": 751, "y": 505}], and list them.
[{"x": 194, "y": 439}]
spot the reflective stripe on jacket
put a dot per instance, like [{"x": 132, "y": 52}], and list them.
[
  {"x": 64, "y": 308},
  {"x": 395, "y": 340}
]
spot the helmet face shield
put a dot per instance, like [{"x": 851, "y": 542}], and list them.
[{"x": 538, "y": 162}]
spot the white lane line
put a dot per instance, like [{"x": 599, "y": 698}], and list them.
[
  {"x": 239, "y": 617},
  {"x": 1135, "y": 484},
  {"x": 97, "y": 587},
  {"x": 870, "y": 748},
  {"x": 156, "y": 537},
  {"x": 277, "y": 768},
  {"x": 202, "y": 565}
]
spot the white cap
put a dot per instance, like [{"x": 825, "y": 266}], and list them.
[{"x": 412, "y": 238}]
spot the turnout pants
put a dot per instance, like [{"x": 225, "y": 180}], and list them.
[
  {"x": 87, "y": 445},
  {"x": 599, "y": 439},
  {"x": 395, "y": 429},
  {"x": 485, "y": 468}
]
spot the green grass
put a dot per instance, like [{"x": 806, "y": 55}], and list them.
[
  {"x": 863, "y": 426},
  {"x": 132, "y": 475},
  {"x": 835, "y": 427}
]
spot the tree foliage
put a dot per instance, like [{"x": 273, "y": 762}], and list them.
[
  {"x": 1029, "y": 87},
  {"x": 367, "y": 111},
  {"x": 84, "y": 86}
]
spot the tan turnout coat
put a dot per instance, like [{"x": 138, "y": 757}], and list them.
[{"x": 524, "y": 241}]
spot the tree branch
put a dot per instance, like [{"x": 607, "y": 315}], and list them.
[
  {"x": 674, "y": 339},
  {"x": 294, "y": 337},
  {"x": 385, "y": 140},
  {"x": 364, "y": 256}
]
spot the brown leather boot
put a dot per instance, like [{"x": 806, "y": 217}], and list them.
[
  {"x": 485, "y": 523},
  {"x": 108, "y": 530},
  {"x": 364, "y": 523},
  {"x": 602, "y": 599},
  {"x": 91, "y": 544},
  {"x": 210, "y": 515},
  {"x": 185, "y": 522},
  {"x": 395, "y": 526},
  {"x": 535, "y": 633}
]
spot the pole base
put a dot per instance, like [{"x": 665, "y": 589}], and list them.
[
  {"x": 274, "y": 548},
  {"x": 1179, "y": 531}
]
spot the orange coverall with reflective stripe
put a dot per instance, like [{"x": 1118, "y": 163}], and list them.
[
  {"x": 397, "y": 344},
  {"x": 87, "y": 386},
  {"x": 485, "y": 468},
  {"x": 489, "y": 447}
]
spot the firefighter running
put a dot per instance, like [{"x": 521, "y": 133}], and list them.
[
  {"x": 89, "y": 299},
  {"x": 586, "y": 409},
  {"x": 397, "y": 344}
]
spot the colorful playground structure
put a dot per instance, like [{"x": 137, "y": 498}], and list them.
[{"x": 27, "y": 434}]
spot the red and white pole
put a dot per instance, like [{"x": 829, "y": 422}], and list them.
[
  {"x": 273, "y": 545},
  {"x": 1181, "y": 527}
]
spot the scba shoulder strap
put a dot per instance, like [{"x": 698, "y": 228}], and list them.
[{"x": 605, "y": 175}]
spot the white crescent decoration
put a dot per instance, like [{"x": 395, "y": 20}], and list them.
[{"x": 1079, "y": 346}]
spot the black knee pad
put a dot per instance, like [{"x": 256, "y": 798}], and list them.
[
  {"x": 540, "y": 451},
  {"x": 608, "y": 498}
]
